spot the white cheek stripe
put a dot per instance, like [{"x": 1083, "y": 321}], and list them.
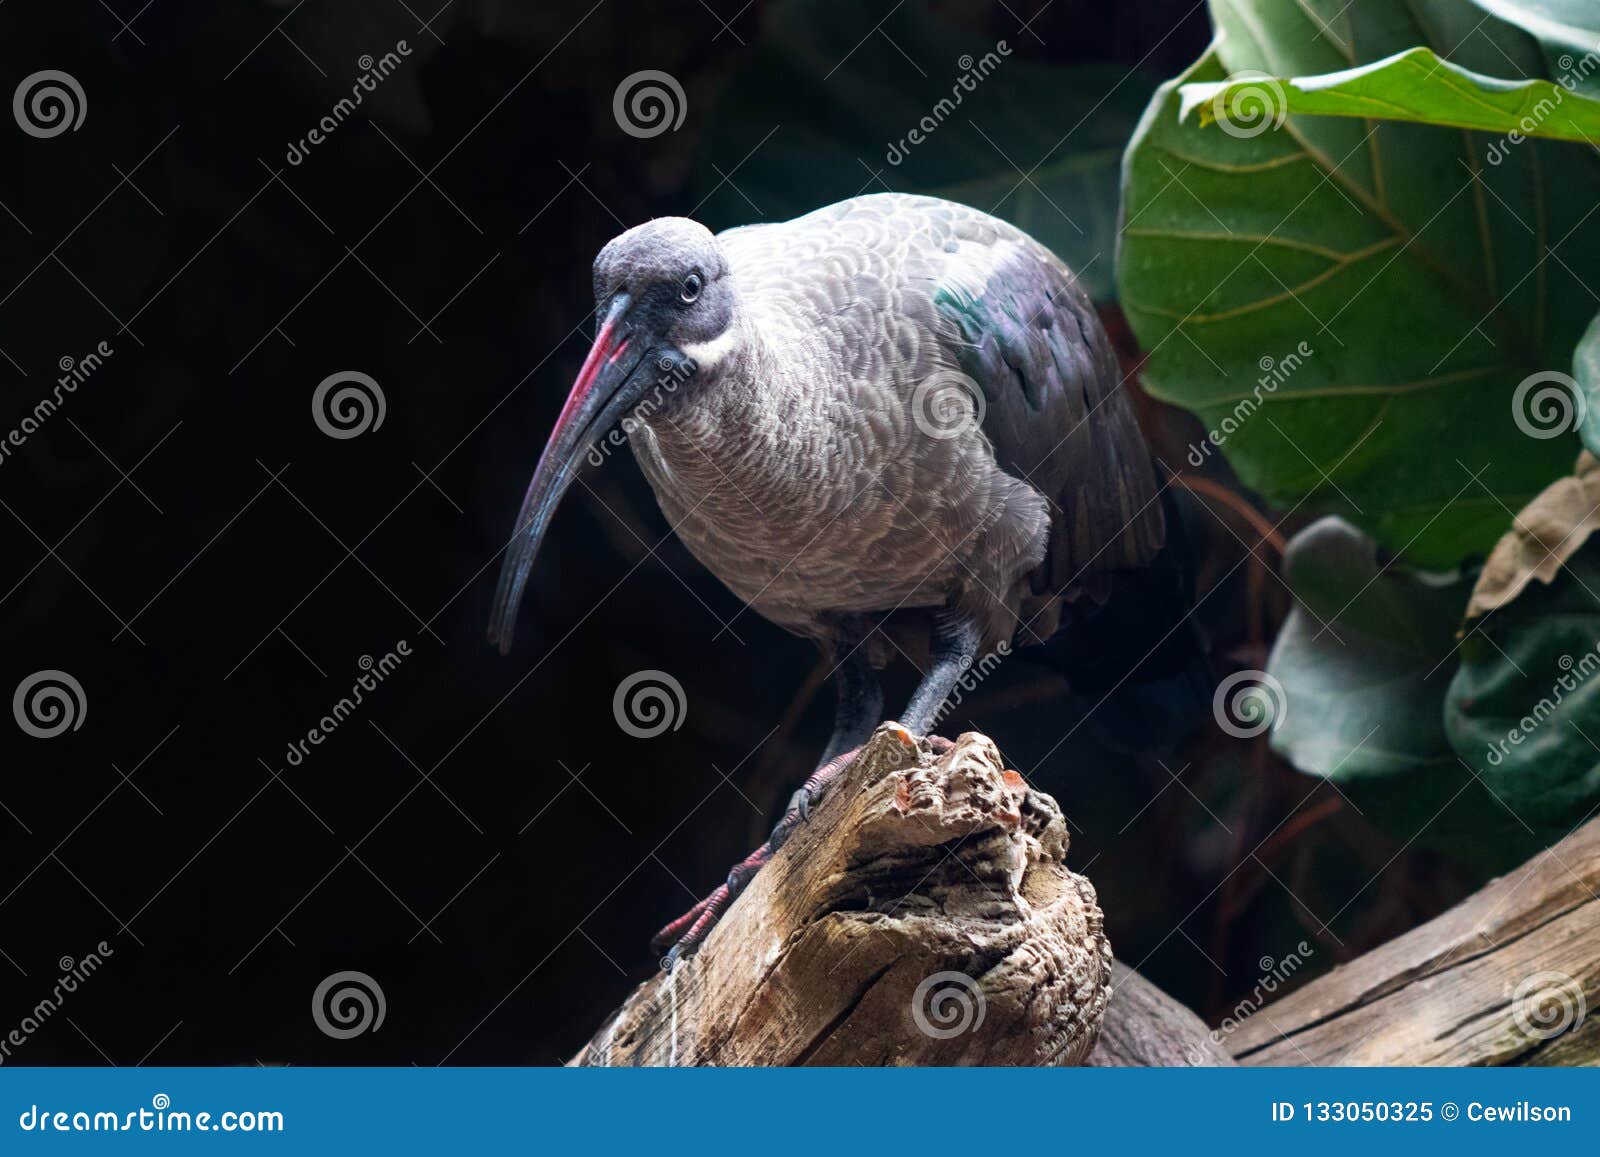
[{"x": 708, "y": 353}]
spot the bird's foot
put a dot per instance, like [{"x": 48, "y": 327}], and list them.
[
  {"x": 812, "y": 790},
  {"x": 685, "y": 934}
]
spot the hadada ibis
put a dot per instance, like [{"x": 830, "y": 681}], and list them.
[{"x": 892, "y": 426}]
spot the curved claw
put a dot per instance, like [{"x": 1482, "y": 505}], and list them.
[
  {"x": 685, "y": 934},
  {"x": 672, "y": 933},
  {"x": 812, "y": 791},
  {"x": 800, "y": 802}
]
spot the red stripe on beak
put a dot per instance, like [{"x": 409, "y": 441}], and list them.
[
  {"x": 599, "y": 353},
  {"x": 596, "y": 402}
]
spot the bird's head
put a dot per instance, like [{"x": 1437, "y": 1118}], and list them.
[
  {"x": 664, "y": 308},
  {"x": 666, "y": 282}
]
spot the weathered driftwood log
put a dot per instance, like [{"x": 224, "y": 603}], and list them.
[
  {"x": 1509, "y": 976},
  {"x": 924, "y": 915},
  {"x": 1146, "y": 1028}
]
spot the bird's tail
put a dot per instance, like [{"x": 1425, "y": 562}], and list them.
[{"x": 1139, "y": 666}]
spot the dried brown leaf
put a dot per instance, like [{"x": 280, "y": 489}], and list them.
[{"x": 1544, "y": 534}]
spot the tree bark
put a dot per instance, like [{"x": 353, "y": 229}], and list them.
[
  {"x": 1145, "y": 1028},
  {"x": 1509, "y": 976},
  {"x": 924, "y": 915}
]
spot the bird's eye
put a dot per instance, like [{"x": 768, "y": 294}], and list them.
[{"x": 691, "y": 288}]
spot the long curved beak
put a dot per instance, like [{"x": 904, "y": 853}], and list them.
[{"x": 598, "y": 400}]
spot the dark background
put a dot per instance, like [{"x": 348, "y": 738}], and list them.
[{"x": 480, "y": 837}]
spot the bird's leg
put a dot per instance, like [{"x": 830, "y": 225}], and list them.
[
  {"x": 952, "y": 648},
  {"x": 860, "y": 705},
  {"x": 954, "y": 645},
  {"x": 684, "y": 934},
  {"x": 858, "y": 711}
]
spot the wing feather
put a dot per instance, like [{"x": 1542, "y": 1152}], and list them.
[{"x": 1055, "y": 411}]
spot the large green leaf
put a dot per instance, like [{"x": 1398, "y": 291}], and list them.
[
  {"x": 1410, "y": 86},
  {"x": 823, "y": 105},
  {"x": 1365, "y": 660},
  {"x": 1426, "y": 283},
  {"x": 1524, "y": 708},
  {"x": 1569, "y": 30}
]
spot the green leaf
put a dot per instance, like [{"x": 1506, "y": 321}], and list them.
[
  {"x": 1365, "y": 660},
  {"x": 1415, "y": 85},
  {"x": 1039, "y": 146},
  {"x": 1524, "y": 708},
  {"x": 1425, "y": 282},
  {"x": 1569, "y": 31},
  {"x": 1586, "y": 371}
]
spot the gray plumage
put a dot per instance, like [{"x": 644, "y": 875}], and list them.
[
  {"x": 894, "y": 424},
  {"x": 802, "y": 466}
]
